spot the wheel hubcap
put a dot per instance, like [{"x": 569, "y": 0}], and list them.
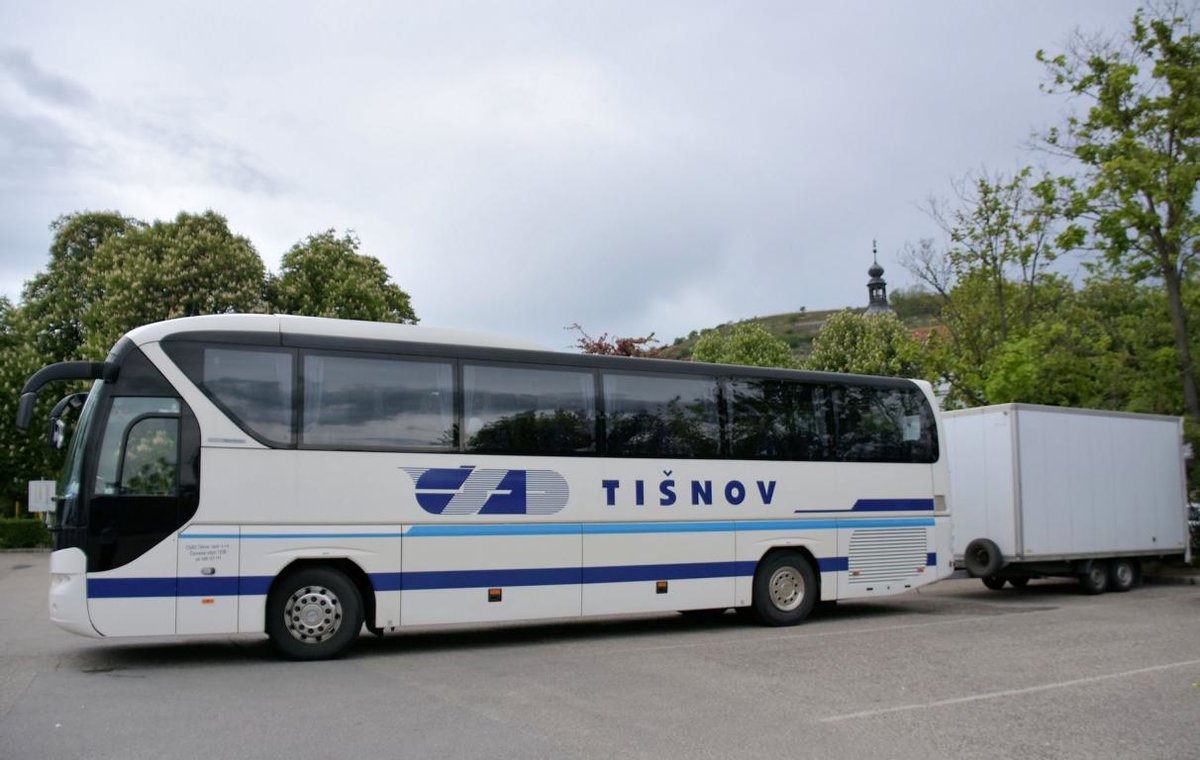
[
  {"x": 1124, "y": 575},
  {"x": 313, "y": 614},
  {"x": 787, "y": 588}
]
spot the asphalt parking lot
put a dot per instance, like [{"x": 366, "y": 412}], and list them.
[{"x": 950, "y": 671}]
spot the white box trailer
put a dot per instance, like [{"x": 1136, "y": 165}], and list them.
[{"x": 1047, "y": 491}]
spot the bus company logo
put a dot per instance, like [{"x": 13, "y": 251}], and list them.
[{"x": 471, "y": 491}]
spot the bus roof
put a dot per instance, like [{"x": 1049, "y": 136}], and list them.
[
  {"x": 302, "y": 331},
  {"x": 285, "y": 324}
]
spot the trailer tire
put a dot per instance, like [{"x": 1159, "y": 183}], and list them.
[
  {"x": 1123, "y": 574},
  {"x": 983, "y": 558},
  {"x": 994, "y": 582},
  {"x": 1019, "y": 581},
  {"x": 1094, "y": 580}
]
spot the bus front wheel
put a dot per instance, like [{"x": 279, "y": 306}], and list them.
[
  {"x": 785, "y": 589},
  {"x": 314, "y": 613}
]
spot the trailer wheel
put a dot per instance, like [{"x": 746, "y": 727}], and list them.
[
  {"x": 1122, "y": 574},
  {"x": 1019, "y": 581},
  {"x": 994, "y": 582},
  {"x": 314, "y": 614},
  {"x": 1094, "y": 580},
  {"x": 785, "y": 589},
  {"x": 982, "y": 558}
]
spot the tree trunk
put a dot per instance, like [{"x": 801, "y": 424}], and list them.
[{"x": 1191, "y": 400}]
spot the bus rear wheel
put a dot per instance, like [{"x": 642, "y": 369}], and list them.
[
  {"x": 785, "y": 589},
  {"x": 314, "y": 614}
]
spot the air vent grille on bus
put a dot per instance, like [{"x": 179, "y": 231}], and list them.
[{"x": 886, "y": 554}]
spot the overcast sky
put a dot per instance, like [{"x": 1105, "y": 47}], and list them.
[{"x": 520, "y": 166}]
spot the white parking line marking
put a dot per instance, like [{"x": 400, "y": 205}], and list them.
[{"x": 1008, "y": 692}]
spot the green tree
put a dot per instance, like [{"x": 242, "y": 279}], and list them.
[
  {"x": 190, "y": 266},
  {"x": 23, "y": 456},
  {"x": 47, "y": 327},
  {"x": 866, "y": 344},
  {"x": 325, "y": 276},
  {"x": 1064, "y": 362},
  {"x": 1138, "y": 143},
  {"x": 747, "y": 343},
  {"x": 1141, "y": 368},
  {"x": 54, "y": 301},
  {"x": 992, "y": 279}
]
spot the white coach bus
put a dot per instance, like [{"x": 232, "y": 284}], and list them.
[{"x": 303, "y": 477}]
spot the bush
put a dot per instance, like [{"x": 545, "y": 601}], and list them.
[{"x": 23, "y": 533}]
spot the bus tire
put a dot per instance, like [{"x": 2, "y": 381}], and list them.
[
  {"x": 1122, "y": 574},
  {"x": 994, "y": 582},
  {"x": 785, "y": 589},
  {"x": 982, "y": 558},
  {"x": 1094, "y": 580},
  {"x": 315, "y": 613}
]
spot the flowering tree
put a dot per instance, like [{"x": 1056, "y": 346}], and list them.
[
  {"x": 325, "y": 276},
  {"x": 614, "y": 346},
  {"x": 866, "y": 344},
  {"x": 749, "y": 344},
  {"x": 186, "y": 267}
]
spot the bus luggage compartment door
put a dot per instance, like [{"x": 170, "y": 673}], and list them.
[{"x": 208, "y": 588}]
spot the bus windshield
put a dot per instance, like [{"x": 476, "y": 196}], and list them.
[{"x": 70, "y": 482}]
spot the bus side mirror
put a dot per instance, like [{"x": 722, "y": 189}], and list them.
[{"x": 56, "y": 433}]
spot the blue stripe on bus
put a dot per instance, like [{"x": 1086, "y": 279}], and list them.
[
  {"x": 876, "y": 505},
  {"x": 615, "y": 528},
  {"x": 114, "y": 588},
  {"x": 257, "y": 585},
  {"x": 126, "y": 588},
  {"x": 833, "y": 564},
  {"x": 592, "y": 529},
  {"x": 567, "y": 529},
  {"x": 893, "y": 522},
  {"x": 667, "y": 572},
  {"x": 893, "y": 505},
  {"x": 290, "y": 535}
]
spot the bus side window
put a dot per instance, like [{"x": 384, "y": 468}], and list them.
[
  {"x": 884, "y": 425},
  {"x": 529, "y": 410},
  {"x": 255, "y": 386},
  {"x": 651, "y": 416},
  {"x": 778, "y": 419},
  {"x": 377, "y": 403}
]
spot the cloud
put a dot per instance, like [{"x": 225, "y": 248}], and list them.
[
  {"x": 632, "y": 167},
  {"x": 34, "y": 149},
  {"x": 40, "y": 84}
]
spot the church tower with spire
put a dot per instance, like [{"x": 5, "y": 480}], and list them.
[{"x": 877, "y": 302}]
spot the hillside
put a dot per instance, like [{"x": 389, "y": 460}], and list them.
[
  {"x": 798, "y": 328},
  {"x": 915, "y": 308}
]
